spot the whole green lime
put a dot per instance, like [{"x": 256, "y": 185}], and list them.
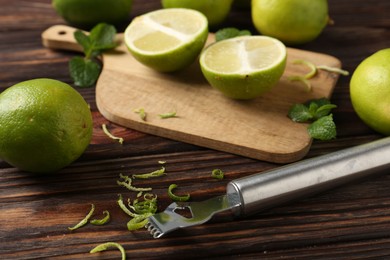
[
  {"x": 216, "y": 11},
  {"x": 87, "y": 13},
  {"x": 45, "y": 125},
  {"x": 370, "y": 91},
  {"x": 291, "y": 21}
]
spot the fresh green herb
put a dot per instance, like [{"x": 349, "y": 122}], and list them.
[
  {"x": 217, "y": 174},
  {"x": 127, "y": 183},
  {"x": 230, "y": 32},
  {"x": 105, "y": 130},
  {"x": 105, "y": 246},
  {"x": 310, "y": 111},
  {"x": 84, "y": 220},
  {"x": 99, "y": 222},
  {"x": 141, "y": 112},
  {"x": 323, "y": 129},
  {"x": 156, "y": 173},
  {"x": 167, "y": 115},
  {"x": 86, "y": 70},
  {"x": 176, "y": 197},
  {"x": 317, "y": 112}
]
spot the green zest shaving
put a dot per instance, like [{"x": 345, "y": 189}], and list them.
[
  {"x": 99, "y": 222},
  {"x": 302, "y": 79},
  {"x": 217, "y": 174},
  {"x": 141, "y": 112},
  {"x": 167, "y": 115},
  {"x": 148, "y": 205},
  {"x": 332, "y": 69},
  {"x": 138, "y": 222},
  {"x": 105, "y": 246},
  {"x": 176, "y": 197},
  {"x": 124, "y": 208},
  {"x": 156, "y": 173},
  {"x": 105, "y": 130},
  {"x": 313, "y": 71},
  {"x": 85, "y": 220},
  {"x": 127, "y": 183},
  {"x": 142, "y": 210}
]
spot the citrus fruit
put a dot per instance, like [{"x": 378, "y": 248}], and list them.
[
  {"x": 216, "y": 11},
  {"x": 44, "y": 125},
  {"x": 244, "y": 67},
  {"x": 167, "y": 39},
  {"x": 370, "y": 91},
  {"x": 87, "y": 13},
  {"x": 291, "y": 21}
]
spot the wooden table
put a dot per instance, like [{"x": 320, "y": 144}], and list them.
[{"x": 350, "y": 222}]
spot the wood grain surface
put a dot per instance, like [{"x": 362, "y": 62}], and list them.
[
  {"x": 257, "y": 128},
  {"x": 350, "y": 222}
]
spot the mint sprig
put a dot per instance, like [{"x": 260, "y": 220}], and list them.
[
  {"x": 230, "y": 32},
  {"x": 86, "y": 70},
  {"x": 318, "y": 113}
]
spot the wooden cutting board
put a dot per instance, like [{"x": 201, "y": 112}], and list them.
[{"x": 256, "y": 128}]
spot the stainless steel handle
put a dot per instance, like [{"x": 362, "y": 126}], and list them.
[{"x": 267, "y": 189}]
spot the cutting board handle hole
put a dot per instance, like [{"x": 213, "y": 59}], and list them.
[{"x": 61, "y": 32}]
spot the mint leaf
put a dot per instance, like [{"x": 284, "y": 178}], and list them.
[
  {"x": 300, "y": 113},
  {"x": 323, "y": 129},
  {"x": 83, "y": 40},
  {"x": 102, "y": 36},
  {"x": 310, "y": 111},
  {"x": 320, "y": 102},
  {"x": 318, "y": 112},
  {"x": 230, "y": 32},
  {"x": 324, "y": 110},
  {"x": 84, "y": 72}
]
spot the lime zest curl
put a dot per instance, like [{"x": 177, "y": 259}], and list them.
[
  {"x": 176, "y": 197},
  {"x": 312, "y": 67},
  {"x": 84, "y": 220},
  {"x": 142, "y": 113},
  {"x": 105, "y": 130},
  {"x": 313, "y": 71},
  {"x": 168, "y": 115},
  {"x": 138, "y": 222},
  {"x": 153, "y": 174},
  {"x": 301, "y": 79},
  {"x": 142, "y": 210},
  {"x": 217, "y": 174},
  {"x": 104, "y": 220},
  {"x": 333, "y": 69},
  {"x": 127, "y": 183},
  {"x": 105, "y": 246},
  {"x": 124, "y": 208}
]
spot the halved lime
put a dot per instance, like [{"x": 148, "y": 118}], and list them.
[
  {"x": 244, "y": 67},
  {"x": 167, "y": 39}
]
